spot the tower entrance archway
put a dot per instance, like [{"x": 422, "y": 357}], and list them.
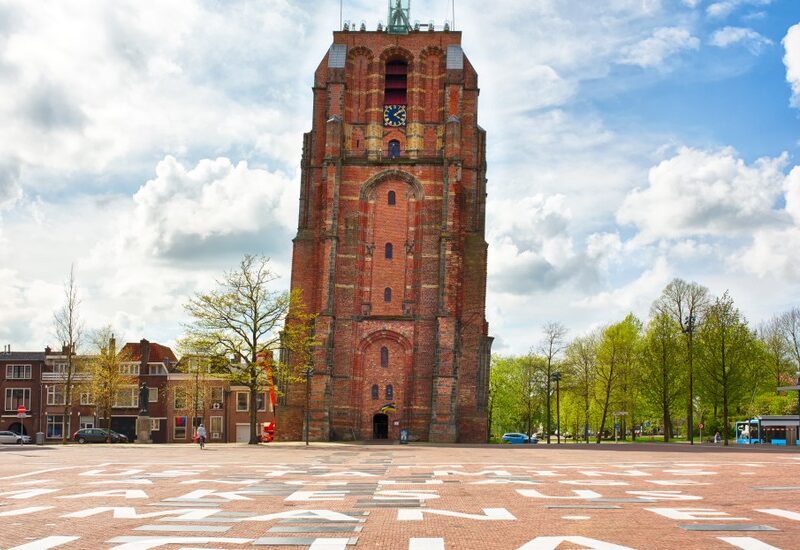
[{"x": 380, "y": 426}]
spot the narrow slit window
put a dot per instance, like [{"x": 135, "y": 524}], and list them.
[
  {"x": 392, "y": 198},
  {"x": 387, "y": 294},
  {"x": 384, "y": 357},
  {"x": 375, "y": 391},
  {"x": 389, "y": 392},
  {"x": 389, "y": 250}
]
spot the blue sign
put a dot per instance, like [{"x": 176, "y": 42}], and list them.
[{"x": 403, "y": 436}]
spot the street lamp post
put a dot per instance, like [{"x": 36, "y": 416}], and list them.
[
  {"x": 308, "y": 373},
  {"x": 556, "y": 377}
]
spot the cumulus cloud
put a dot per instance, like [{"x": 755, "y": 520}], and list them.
[
  {"x": 728, "y": 36},
  {"x": 791, "y": 42},
  {"x": 705, "y": 193},
  {"x": 772, "y": 253},
  {"x": 635, "y": 296},
  {"x": 186, "y": 212},
  {"x": 653, "y": 51}
]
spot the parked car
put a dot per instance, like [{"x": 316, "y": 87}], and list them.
[
  {"x": 11, "y": 437},
  {"x": 514, "y": 438},
  {"x": 98, "y": 435}
]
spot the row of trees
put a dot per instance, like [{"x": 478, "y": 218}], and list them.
[
  {"x": 232, "y": 333},
  {"x": 695, "y": 360}
]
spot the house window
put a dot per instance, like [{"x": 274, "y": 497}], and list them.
[
  {"x": 384, "y": 357},
  {"x": 129, "y": 369},
  {"x": 86, "y": 399},
  {"x": 387, "y": 294},
  {"x": 60, "y": 368},
  {"x": 388, "y": 251},
  {"x": 375, "y": 391},
  {"x": 180, "y": 427},
  {"x": 159, "y": 370},
  {"x": 152, "y": 395},
  {"x": 126, "y": 398},
  {"x": 261, "y": 401},
  {"x": 16, "y": 397},
  {"x": 55, "y": 395},
  {"x": 18, "y": 372},
  {"x": 389, "y": 392},
  {"x": 242, "y": 401},
  {"x": 86, "y": 422},
  {"x": 55, "y": 426},
  {"x": 180, "y": 398},
  {"x": 392, "y": 198},
  {"x": 216, "y": 427},
  {"x": 155, "y": 424},
  {"x": 216, "y": 398}
]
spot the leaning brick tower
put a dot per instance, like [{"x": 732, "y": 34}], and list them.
[{"x": 390, "y": 250}]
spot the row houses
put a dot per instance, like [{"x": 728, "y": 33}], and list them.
[{"x": 177, "y": 403}]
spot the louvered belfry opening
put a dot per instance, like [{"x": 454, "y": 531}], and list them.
[{"x": 396, "y": 83}]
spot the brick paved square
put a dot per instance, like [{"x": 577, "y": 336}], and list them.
[{"x": 416, "y": 497}]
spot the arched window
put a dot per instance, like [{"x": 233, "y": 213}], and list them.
[
  {"x": 375, "y": 391},
  {"x": 387, "y": 294},
  {"x": 384, "y": 357},
  {"x": 394, "y": 149},
  {"x": 395, "y": 83},
  {"x": 389, "y": 392},
  {"x": 392, "y": 198},
  {"x": 389, "y": 250}
]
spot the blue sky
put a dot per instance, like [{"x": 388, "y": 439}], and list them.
[{"x": 152, "y": 144}]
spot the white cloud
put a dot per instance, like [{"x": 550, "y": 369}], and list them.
[
  {"x": 652, "y": 51},
  {"x": 791, "y": 42},
  {"x": 705, "y": 193},
  {"x": 183, "y": 212},
  {"x": 728, "y": 36},
  {"x": 772, "y": 253},
  {"x": 726, "y": 7},
  {"x": 691, "y": 3},
  {"x": 636, "y": 296}
]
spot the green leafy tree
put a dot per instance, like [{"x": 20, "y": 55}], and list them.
[
  {"x": 729, "y": 357},
  {"x": 662, "y": 376},
  {"x": 686, "y": 304},
  {"x": 244, "y": 318},
  {"x": 581, "y": 366},
  {"x": 614, "y": 357},
  {"x": 108, "y": 382},
  {"x": 778, "y": 351}
]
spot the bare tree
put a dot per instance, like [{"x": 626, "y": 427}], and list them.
[
  {"x": 552, "y": 345},
  {"x": 685, "y": 303},
  {"x": 69, "y": 331}
]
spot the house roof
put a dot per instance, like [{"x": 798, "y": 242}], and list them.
[
  {"x": 157, "y": 352},
  {"x": 22, "y": 356}
]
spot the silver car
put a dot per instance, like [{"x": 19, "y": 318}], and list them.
[{"x": 11, "y": 437}]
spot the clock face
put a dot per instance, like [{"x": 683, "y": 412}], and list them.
[{"x": 394, "y": 115}]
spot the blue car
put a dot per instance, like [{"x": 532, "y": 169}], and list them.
[{"x": 516, "y": 438}]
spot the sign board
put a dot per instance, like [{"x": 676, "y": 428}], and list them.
[
  {"x": 700, "y": 425},
  {"x": 21, "y": 409},
  {"x": 396, "y": 422}
]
